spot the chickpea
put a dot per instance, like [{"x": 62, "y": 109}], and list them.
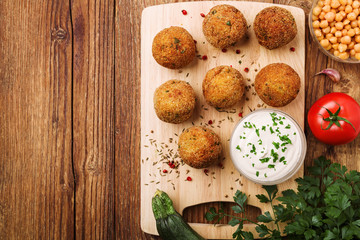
[
  {"x": 322, "y": 15},
  {"x": 333, "y": 39},
  {"x": 328, "y": 36},
  {"x": 336, "y": 53},
  {"x": 327, "y": 2},
  {"x": 338, "y": 25},
  {"x": 335, "y": 4},
  {"x": 326, "y": 30},
  {"x": 317, "y": 11},
  {"x": 337, "y": 34},
  {"x": 347, "y": 27},
  {"x": 332, "y": 51},
  {"x": 335, "y": 46},
  {"x": 357, "y": 56},
  {"x": 356, "y": 4},
  {"x": 330, "y": 16},
  {"x": 345, "y": 40},
  {"x": 348, "y": 9},
  {"x": 317, "y": 32},
  {"x": 314, "y": 18},
  {"x": 320, "y": 4},
  {"x": 352, "y": 52},
  {"x": 344, "y": 32},
  {"x": 358, "y": 21},
  {"x": 338, "y": 17},
  {"x": 333, "y": 30},
  {"x": 332, "y": 24},
  {"x": 342, "y": 47},
  {"x": 344, "y": 55},
  {"x": 354, "y": 24},
  {"x": 324, "y": 24},
  {"x": 349, "y": 2},
  {"x": 357, "y": 30},
  {"x": 341, "y": 8},
  {"x": 346, "y": 22},
  {"x": 356, "y": 11},
  {"x": 351, "y": 32},
  {"x": 357, "y": 47},
  {"x": 342, "y": 13},
  {"x": 327, "y": 8},
  {"x": 324, "y": 43},
  {"x": 351, "y": 45},
  {"x": 320, "y": 38},
  {"x": 316, "y": 24},
  {"x": 350, "y": 17},
  {"x": 357, "y": 39},
  {"x": 343, "y": 2}
]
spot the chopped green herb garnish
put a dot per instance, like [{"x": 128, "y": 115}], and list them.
[
  {"x": 238, "y": 147},
  {"x": 294, "y": 133},
  {"x": 257, "y": 173},
  {"x": 282, "y": 159},
  {"x": 263, "y": 128},
  {"x": 253, "y": 164},
  {"x": 264, "y": 160},
  {"x": 176, "y": 40},
  {"x": 285, "y": 139},
  {"x": 284, "y": 149},
  {"x": 228, "y": 23},
  {"x": 260, "y": 142},
  {"x": 274, "y": 155},
  {"x": 265, "y": 175},
  {"x": 271, "y": 130},
  {"x": 213, "y": 12},
  {"x": 271, "y": 166},
  {"x": 248, "y": 125},
  {"x": 257, "y": 132},
  {"x": 276, "y": 144},
  {"x": 253, "y": 150},
  {"x": 288, "y": 126},
  {"x": 284, "y": 162},
  {"x": 281, "y": 123}
]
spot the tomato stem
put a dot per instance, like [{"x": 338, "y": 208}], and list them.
[{"x": 334, "y": 118}]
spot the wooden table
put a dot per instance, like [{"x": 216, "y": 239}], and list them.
[{"x": 70, "y": 118}]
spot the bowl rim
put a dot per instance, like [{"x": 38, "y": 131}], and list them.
[
  {"x": 327, "y": 53},
  {"x": 293, "y": 170}
]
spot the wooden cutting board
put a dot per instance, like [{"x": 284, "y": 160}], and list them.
[{"x": 159, "y": 139}]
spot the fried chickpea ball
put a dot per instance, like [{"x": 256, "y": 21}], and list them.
[
  {"x": 199, "y": 147},
  {"x": 173, "y": 48},
  {"x": 274, "y": 27},
  {"x": 174, "y": 101},
  {"x": 224, "y": 25},
  {"x": 223, "y": 87},
  {"x": 277, "y": 84}
]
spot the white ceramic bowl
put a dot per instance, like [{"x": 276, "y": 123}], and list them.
[{"x": 245, "y": 166}]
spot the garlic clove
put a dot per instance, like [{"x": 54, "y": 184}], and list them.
[{"x": 333, "y": 74}]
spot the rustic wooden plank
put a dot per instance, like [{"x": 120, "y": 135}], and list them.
[
  {"x": 93, "y": 115},
  {"x": 36, "y": 179}
]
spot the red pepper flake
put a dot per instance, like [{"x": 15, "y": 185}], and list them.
[
  {"x": 240, "y": 114},
  {"x": 201, "y": 14},
  {"x": 231, "y": 66},
  {"x": 189, "y": 179},
  {"x": 292, "y": 49},
  {"x": 210, "y": 122},
  {"x": 165, "y": 171},
  {"x": 184, "y": 12},
  {"x": 204, "y": 57},
  {"x": 195, "y": 41},
  {"x": 224, "y": 50},
  {"x": 206, "y": 171},
  {"x": 221, "y": 165},
  {"x": 246, "y": 69},
  {"x": 237, "y": 51}
]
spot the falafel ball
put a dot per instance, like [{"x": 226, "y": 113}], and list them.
[
  {"x": 173, "y": 47},
  {"x": 224, "y": 25},
  {"x": 277, "y": 84},
  {"x": 199, "y": 147},
  {"x": 223, "y": 87},
  {"x": 274, "y": 27},
  {"x": 174, "y": 101}
]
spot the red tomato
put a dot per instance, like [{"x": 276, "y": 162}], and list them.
[{"x": 334, "y": 119}]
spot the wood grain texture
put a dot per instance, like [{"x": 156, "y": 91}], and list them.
[
  {"x": 93, "y": 114},
  {"x": 36, "y": 179},
  {"x": 159, "y": 139}
]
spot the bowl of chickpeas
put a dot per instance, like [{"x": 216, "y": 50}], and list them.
[{"x": 335, "y": 26}]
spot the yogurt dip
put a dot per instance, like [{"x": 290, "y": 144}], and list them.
[{"x": 268, "y": 146}]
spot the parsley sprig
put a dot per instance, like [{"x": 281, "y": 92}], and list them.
[{"x": 325, "y": 206}]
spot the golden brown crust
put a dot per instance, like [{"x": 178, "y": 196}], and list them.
[
  {"x": 274, "y": 27},
  {"x": 174, "y": 101},
  {"x": 224, "y": 25},
  {"x": 223, "y": 86},
  {"x": 199, "y": 147},
  {"x": 277, "y": 84},
  {"x": 173, "y": 47}
]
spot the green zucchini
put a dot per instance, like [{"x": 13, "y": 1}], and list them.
[{"x": 169, "y": 223}]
